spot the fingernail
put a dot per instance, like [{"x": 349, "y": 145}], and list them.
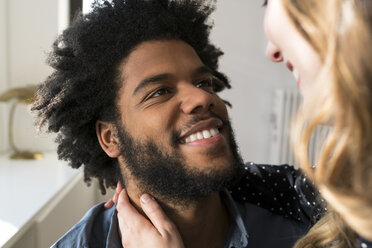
[{"x": 146, "y": 198}]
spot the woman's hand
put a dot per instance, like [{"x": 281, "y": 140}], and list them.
[
  {"x": 114, "y": 200},
  {"x": 137, "y": 231}
]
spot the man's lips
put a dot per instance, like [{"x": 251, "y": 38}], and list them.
[{"x": 203, "y": 129}]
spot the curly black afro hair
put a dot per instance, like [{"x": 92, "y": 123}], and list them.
[{"x": 83, "y": 87}]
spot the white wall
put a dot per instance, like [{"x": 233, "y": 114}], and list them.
[
  {"x": 3, "y": 44},
  {"x": 239, "y": 33},
  {"x": 3, "y": 71},
  {"x": 31, "y": 27}
]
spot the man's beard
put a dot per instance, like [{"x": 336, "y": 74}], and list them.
[{"x": 167, "y": 176}]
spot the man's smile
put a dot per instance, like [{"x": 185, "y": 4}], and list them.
[
  {"x": 205, "y": 133},
  {"x": 199, "y": 135}
]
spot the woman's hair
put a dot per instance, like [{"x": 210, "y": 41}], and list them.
[
  {"x": 340, "y": 31},
  {"x": 86, "y": 79}
]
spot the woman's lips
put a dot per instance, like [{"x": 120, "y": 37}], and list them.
[
  {"x": 295, "y": 73},
  {"x": 289, "y": 65}
]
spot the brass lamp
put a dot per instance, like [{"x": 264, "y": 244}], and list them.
[{"x": 23, "y": 95}]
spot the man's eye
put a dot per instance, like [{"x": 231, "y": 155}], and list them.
[
  {"x": 159, "y": 92},
  {"x": 206, "y": 83},
  {"x": 265, "y": 3}
]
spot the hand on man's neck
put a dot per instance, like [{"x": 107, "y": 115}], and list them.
[{"x": 201, "y": 223}]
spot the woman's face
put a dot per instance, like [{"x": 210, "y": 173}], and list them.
[{"x": 288, "y": 46}]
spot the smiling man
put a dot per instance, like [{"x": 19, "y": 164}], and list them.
[
  {"x": 169, "y": 111},
  {"x": 134, "y": 100}
]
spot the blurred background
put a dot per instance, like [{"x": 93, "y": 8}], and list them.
[{"x": 41, "y": 199}]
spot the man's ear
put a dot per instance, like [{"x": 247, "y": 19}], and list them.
[{"x": 106, "y": 134}]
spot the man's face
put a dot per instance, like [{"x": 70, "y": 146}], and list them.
[{"x": 169, "y": 113}]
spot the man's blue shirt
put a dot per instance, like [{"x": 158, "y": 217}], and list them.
[{"x": 250, "y": 226}]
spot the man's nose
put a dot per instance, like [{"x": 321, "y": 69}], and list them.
[
  {"x": 273, "y": 52},
  {"x": 197, "y": 100}
]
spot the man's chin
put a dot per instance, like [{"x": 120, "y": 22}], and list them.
[
  {"x": 180, "y": 176},
  {"x": 195, "y": 183},
  {"x": 209, "y": 159}
]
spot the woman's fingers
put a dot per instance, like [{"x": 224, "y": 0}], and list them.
[
  {"x": 119, "y": 188},
  {"x": 151, "y": 208},
  {"x": 137, "y": 231},
  {"x": 129, "y": 215},
  {"x": 130, "y": 219},
  {"x": 109, "y": 204},
  {"x": 157, "y": 216},
  {"x": 114, "y": 200}
]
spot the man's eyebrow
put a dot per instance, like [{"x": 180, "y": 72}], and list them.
[
  {"x": 165, "y": 76},
  {"x": 151, "y": 80},
  {"x": 202, "y": 70}
]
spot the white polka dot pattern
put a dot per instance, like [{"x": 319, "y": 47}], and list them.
[
  {"x": 282, "y": 190},
  {"x": 365, "y": 244}
]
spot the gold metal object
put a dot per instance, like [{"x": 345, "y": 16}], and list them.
[{"x": 24, "y": 95}]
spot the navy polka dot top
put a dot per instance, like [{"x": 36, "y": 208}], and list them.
[{"x": 283, "y": 190}]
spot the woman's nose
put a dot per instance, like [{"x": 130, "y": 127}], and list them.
[{"x": 273, "y": 52}]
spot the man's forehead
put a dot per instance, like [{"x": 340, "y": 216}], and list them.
[{"x": 153, "y": 58}]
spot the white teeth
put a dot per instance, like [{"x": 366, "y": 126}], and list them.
[
  {"x": 199, "y": 135},
  {"x": 205, "y": 134},
  {"x": 214, "y": 131},
  {"x": 296, "y": 74}
]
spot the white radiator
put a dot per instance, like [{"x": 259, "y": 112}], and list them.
[{"x": 284, "y": 109}]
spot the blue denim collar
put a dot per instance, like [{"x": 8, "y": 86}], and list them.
[{"x": 238, "y": 235}]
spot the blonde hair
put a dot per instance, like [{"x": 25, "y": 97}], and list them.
[{"x": 340, "y": 31}]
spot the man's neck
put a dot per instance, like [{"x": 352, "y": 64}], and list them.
[{"x": 203, "y": 223}]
